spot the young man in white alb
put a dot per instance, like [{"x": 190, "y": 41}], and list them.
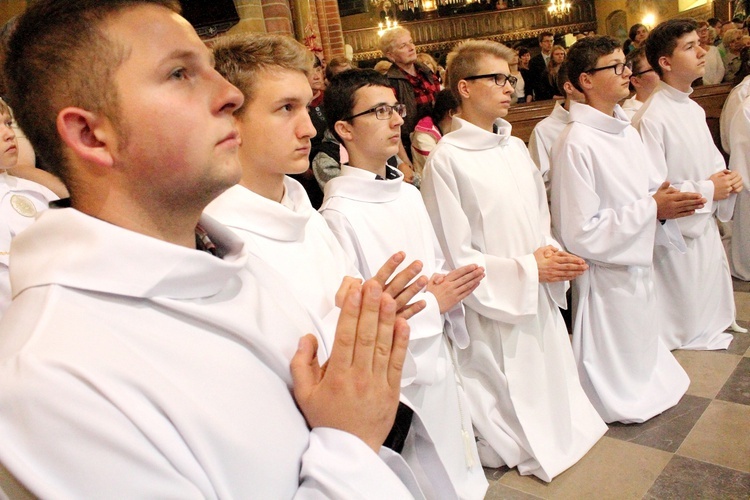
[
  {"x": 603, "y": 211},
  {"x": 487, "y": 203},
  {"x": 694, "y": 289},
  {"x": 373, "y": 212}
]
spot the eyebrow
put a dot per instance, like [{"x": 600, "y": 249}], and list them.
[{"x": 182, "y": 54}]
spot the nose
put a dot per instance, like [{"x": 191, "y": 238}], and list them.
[
  {"x": 396, "y": 119},
  {"x": 626, "y": 72},
  {"x": 306, "y": 129},
  {"x": 230, "y": 98},
  {"x": 7, "y": 133},
  {"x": 701, "y": 51}
]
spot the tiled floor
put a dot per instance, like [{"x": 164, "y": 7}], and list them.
[{"x": 698, "y": 449}]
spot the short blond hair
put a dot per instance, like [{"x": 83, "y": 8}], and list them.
[
  {"x": 241, "y": 58},
  {"x": 385, "y": 44},
  {"x": 464, "y": 59},
  {"x": 731, "y": 36},
  {"x": 5, "y": 109}
]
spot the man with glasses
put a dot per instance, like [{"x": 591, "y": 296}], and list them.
[
  {"x": 487, "y": 203},
  {"x": 373, "y": 213},
  {"x": 643, "y": 81},
  {"x": 603, "y": 211},
  {"x": 538, "y": 63},
  {"x": 694, "y": 288}
]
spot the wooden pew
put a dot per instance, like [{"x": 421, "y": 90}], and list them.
[{"x": 525, "y": 116}]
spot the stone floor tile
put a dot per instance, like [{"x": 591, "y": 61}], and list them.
[
  {"x": 688, "y": 478},
  {"x": 743, "y": 305},
  {"x": 499, "y": 491},
  {"x": 741, "y": 341},
  {"x": 721, "y": 436},
  {"x": 667, "y": 431},
  {"x": 740, "y": 286},
  {"x": 708, "y": 370},
  {"x": 611, "y": 469},
  {"x": 737, "y": 387}
]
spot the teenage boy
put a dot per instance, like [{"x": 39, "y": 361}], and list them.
[
  {"x": 602, "y": 211},
  {"x": 140, "y": 330},
  {"x": 373, "y": 212},
  {"x": 733, "y": 104},
  {"x": 547, "y": 131},
  {"x": 21, "y": 200},
  {"x": 694, "y": 288},
  {"x": 272, "y": 213},
  {"x": 487, "y": 203},
  {"x": 643, "y": 81}
]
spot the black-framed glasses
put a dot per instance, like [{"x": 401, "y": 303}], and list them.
[
  {"x": 619, "y": 68},
  {"x": 382, "y": 112},
  {"x": 642, "y": 72},
  {"x": 500, "y": 79}
]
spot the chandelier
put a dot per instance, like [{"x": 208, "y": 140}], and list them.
[
  {"x": 389, "y": 25},
  {"x": 559, "y": 8}
]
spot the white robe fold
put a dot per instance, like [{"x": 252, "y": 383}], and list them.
[
  {"x": 21, "y": 201},
  {"x": 487, "y": 203},
  {"x": 732, "y": 106},
  {"x": 739, "y": 139},
  {"x": 602, "y": 210},
  {"x": 373, "y": 219},
  {"x": 134, "y": 368},
  {"x": 694, "y": 289},
  {"x": 544, "y": 135}
]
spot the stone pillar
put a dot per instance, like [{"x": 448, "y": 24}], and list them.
[{"x": 277, "y": 17}]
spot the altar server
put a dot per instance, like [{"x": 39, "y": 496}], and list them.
[
  {"x": 487, "y": 203},
  {"x": 694, "y": 289},
  {"x": 373, "y": 212},
  {"x": 602, "y": 210},
  {"x": 739, "y": 162}
]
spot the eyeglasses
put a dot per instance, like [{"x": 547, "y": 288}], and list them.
[
  {"x": 500, "y": 79},
  {"x": 642, "y": 72},
  {"x": 382, "y": 112},
  {"x": 619, "y": 68}
]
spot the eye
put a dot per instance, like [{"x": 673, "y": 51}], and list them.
[
  {"x": 178, "y": 74},
  {"x": 9, "y": 123}
]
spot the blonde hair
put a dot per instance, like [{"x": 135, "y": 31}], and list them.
[
  {"x": 385, "y": 44},
  {"x": 5, "y": 109},
  {"x": 731, "y": 36},
  {"x": 240, "y": 58},
  {"x": 382, "y": 66},
  {"x": 428, "y": 61},
  {"x": 464, "y": 59}
]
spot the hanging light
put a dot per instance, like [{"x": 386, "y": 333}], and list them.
[{"x": 559, "y": 8}]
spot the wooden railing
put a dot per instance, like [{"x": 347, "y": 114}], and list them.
[
  {"x": 440, "y": 34},
  {"x": 524, "y": 117}
]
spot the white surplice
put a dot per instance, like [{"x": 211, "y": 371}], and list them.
[
  {"x": 373, "y": 219},
  {"x": 714, "y": 73},
  {"x": 134, "y": 368},
  {"x": 21, "y": 201},
  {"x": 732, "y": 106},
  {"x": 631, "y": 106},
  {"x": 544, "y": 135},
  {"x": 694, "y": 289},
  {"x": 602, "y": 211},
  {"x": 739, "y": 138},
  {"x": 487, "y": 203}
]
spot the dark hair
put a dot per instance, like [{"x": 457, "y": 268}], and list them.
[
  {"x": 562, "y": 77},
  {"x": 633, "y": 32},
  {"x": 334, "y": 64},
  {"x": 663, "y": 40},
  {"x": 712, "y": 21},
  {"x": 583, "y": 55},
  {"x": 338, "y": 99},
  {"x": 634, "y": 57},
  {"x": 522, "y": 51},
  {"x": 58, "y": 56},
  {"x": 744, "y": 66},
  {"x": 545, "y": 34},
  {"x": 445, "y": 102}
]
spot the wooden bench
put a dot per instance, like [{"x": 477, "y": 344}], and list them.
[{"x": 525, "y": 116}]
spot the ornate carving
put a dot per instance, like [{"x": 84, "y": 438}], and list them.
[{"x": 503, "y": 26}]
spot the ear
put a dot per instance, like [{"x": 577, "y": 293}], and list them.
[
  {"x": 569, "y": 88},
  {"x": 665, "y": 63},
  {"x": 463, "y": 89},
  {"x": 585, "y": 81},
  {"x": 90, "y": 136},
  {"x": 389, "y": 57},
  {"x": 344, "y": 130}
]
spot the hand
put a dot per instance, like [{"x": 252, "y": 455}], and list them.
[
  {"x": 358, "y": 388},
  {"x": 724, "y": 184},
  {"x": 399, "y": 287},
  {"x": 452, "y": 288},
  {"x": 736, "y": 180},
  {"x": 557, "y": 265},
  {"x": 408, "y": 171},
  {"x": 673, "y": 204}
]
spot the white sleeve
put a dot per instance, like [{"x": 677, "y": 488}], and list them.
[{"x": 510, "y": 290}]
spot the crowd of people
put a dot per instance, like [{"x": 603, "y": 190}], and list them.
[{"x": 188, "y": 321}]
